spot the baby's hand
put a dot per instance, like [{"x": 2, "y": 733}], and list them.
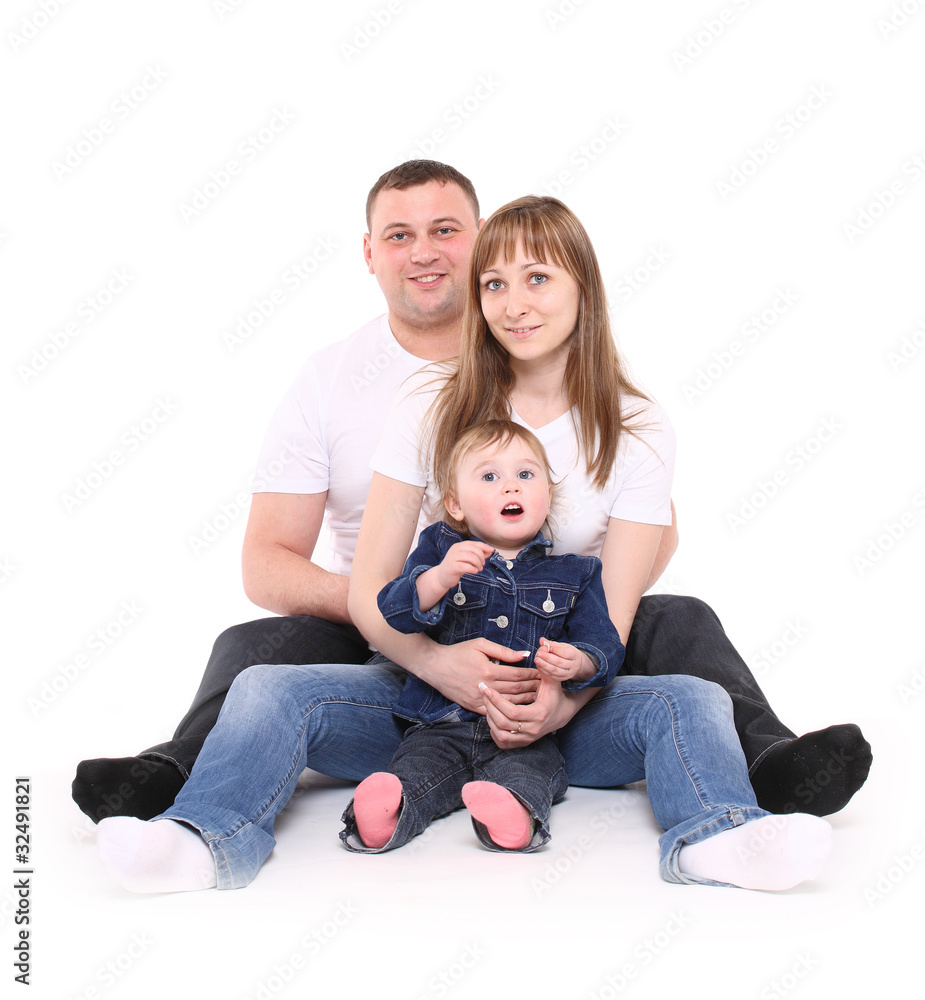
[
  {"x": 463, "y": 557},
  {"x": 561, "y": 661}
]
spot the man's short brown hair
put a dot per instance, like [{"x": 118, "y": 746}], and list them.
[{"x": 414, "y": 172}]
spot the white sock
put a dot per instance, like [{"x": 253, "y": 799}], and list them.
[
  {"x": 774, "y": 852},
  {"x": 155, "y": 855}
]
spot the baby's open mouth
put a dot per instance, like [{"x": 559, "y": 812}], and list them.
[{"x": 512, "y": 510}]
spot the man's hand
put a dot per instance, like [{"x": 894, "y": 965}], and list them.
[
  {"x": 518, "y": 725},
  {"x": 561, "y": 661}
]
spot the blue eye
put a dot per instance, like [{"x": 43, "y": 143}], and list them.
[
  {"x": 539, "y": 279},
  {"x": 493, "y": 285},
  {"x": 489, "y": 477},
  {"x": 525, "y": 474}
]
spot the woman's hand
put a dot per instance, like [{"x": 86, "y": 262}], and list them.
[
  {"x": 518, "y": 725},
  {"x": 459, "y": 671}
]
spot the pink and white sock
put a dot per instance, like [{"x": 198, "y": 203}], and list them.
[
  {"x": 155, "y": 855},
  {"x": 774, "y": 852},
  {"x": 375, "y": 808},
  {"x": 507, "y": 820}
]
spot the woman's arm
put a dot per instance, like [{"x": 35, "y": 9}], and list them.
[
  {"x": 667, "y": 547},
  {"x": 627, "y": 555},
  {"x": 386, "y": 533}
]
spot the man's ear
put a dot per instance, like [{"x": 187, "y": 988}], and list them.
[
  {"x": 368, "y": 253},
  {"x": 453, "y": 508}
]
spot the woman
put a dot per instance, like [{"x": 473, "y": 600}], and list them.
[{"x": 536, "y": 347}]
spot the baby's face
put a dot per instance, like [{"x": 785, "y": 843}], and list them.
[{"x": 503, "y": 495}]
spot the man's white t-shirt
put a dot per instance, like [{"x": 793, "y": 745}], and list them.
[
  {"x": 324, "y": 431},
  {"x": 638, "y": 488}
]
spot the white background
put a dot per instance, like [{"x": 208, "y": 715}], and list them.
[{"x": 800, "y": 484}]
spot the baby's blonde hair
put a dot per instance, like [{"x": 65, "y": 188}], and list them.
[{"x": 489, "y": 432}]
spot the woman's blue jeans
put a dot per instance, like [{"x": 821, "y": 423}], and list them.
[{"x": 676, "y": 732}]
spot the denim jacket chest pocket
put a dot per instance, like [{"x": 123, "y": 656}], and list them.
[
  {"x": 465, "y": 611},
  {"x": 543, "y": 610}
]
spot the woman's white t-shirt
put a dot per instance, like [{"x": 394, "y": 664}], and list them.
[{"x": 637, "y": 489}]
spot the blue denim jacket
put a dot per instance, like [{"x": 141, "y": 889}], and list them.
[{"x": 512, "y": 602}]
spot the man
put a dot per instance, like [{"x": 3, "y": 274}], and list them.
[{"x": 422, "y": 220}]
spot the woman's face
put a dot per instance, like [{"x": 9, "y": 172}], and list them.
[{"x": 531, "y": 308}]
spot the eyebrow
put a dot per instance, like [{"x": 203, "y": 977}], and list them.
[
  {"x": 433, "y": 222},
  {"x": 526, "y": 267}
]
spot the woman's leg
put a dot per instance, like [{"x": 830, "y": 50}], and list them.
[
  {"x": 278, "y": 720},
  {"x": 676, "y": 732}
]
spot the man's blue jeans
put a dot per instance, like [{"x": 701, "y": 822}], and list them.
[
  {"x": 674, "y": 731},
  {"x": 435, "y": 760}
]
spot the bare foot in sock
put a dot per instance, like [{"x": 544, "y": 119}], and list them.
[
  {"x": 125, "y": 786},
  {"x": 508, "y": 822},
  {"x": 816, "y": 773},
  {"x": 774, "y": 852},
  {"x": 156, "y": 856},
  {"x": 375, "y": 807}
]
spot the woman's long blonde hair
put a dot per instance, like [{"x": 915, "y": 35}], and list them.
[{"x": 479, "y": 386}]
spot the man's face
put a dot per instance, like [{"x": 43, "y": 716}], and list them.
[{"x": 419, "y": 248}]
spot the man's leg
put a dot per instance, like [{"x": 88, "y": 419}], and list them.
[
  {"x": 146, "y": 785},
  {"x": 815, "y": 773}
]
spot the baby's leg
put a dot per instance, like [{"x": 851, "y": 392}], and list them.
[
  {"x": 423, "y": 782},
  {"x": 510, "y": 804},
  {"x": 155, "y": 855}
]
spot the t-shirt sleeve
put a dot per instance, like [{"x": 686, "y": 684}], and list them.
[
  {"x": 643, "y": 490},
  {"x": 403, "y": 453},
  {"x": 294, "y": 455}
]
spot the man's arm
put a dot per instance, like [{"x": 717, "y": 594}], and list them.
[{"x": 278, "y": 573}]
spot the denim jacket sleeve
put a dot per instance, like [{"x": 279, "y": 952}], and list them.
[
  {"x": 590, "y": 628},
  {"x": 398, "y": 600}
]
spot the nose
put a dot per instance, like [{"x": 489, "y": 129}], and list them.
[
  {"x": 515, "y": 304},
  {"x": 425, "y": 251},
  {"x": 511, "y": 486}
]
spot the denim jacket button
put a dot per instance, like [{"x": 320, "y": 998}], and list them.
[
  {"x": 500, "y": 621},
  {"x": 508, "y": 563}
]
